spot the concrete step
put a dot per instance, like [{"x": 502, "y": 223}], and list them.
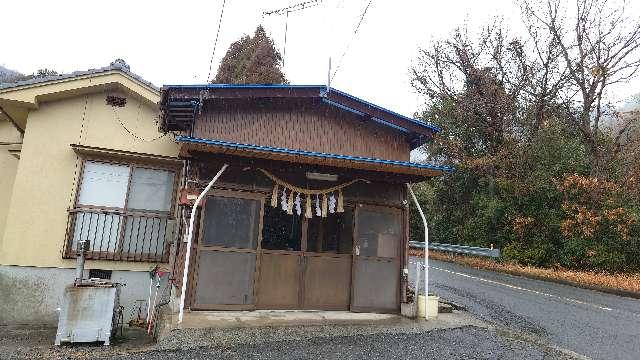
[{"x": 226, "y": 319}]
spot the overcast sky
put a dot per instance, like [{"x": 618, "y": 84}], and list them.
[{"x": 170, "y": 42}]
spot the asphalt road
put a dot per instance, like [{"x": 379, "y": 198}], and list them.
[{"x": 590, "y": 323}]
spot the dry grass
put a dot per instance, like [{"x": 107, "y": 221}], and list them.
[{"x": 627, "y": 282}]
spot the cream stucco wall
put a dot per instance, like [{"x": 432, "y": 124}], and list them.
[
  {"x": 8, "y": 168},
  {"x": 46, "y": 177}
]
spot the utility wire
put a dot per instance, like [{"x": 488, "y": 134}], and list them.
[
  {"x": 215, "y": 43},
  {"x": 286, "y": 11},
  {"x": 292, "y": 8},
  {"x": 355, "y": 33}
]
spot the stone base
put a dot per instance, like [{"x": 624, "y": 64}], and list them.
[
  {"x": 228, "y": 319},
  {"x": 409, "y": 310}
]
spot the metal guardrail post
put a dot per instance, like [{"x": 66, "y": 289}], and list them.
[{"x": 458, "y": 249}]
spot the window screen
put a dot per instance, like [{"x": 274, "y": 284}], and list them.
[
  {"x": 281, "y": 231},
  {"x": 104, "y": 184},
  {"x": 332, "y": 234},
  {"x": 231, "y": 222},
  {"x": 151, "y": 189},
  {"x": 379, "y": 233}
]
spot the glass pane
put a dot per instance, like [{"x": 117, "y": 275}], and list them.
[
  {"x": 151, "y": 189},
  {"x": 225, "y": 278},
  {"x": 146, "y": 235},
  {"x": 369, "y": 274},
  {"x": 231, "y": 222},
  {"x": 104, "y": 184},
  {"x": 101, "y": 230},
  {"x": 333, "y": 234},
  {"x": 281, "y": 231},
  {"x": 379, "y": 233}
]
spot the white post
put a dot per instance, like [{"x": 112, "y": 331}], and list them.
[
  {"x": 329, "y": 76},
  {"x": 415, "y": 296},
  {"x": 149, "y": 298},
  {"x": 190, "y": 237},
  {"x": 426, "y": 246}
]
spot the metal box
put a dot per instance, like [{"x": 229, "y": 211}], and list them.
[{"x": 89, "y": 313}]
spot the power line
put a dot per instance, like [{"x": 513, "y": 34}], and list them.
[
  {"x": 355, "y": 33},
  {"x": 293, "y": 8},
  {"x": 215, "y": 43},
  {"x": 286, "y": 11}
]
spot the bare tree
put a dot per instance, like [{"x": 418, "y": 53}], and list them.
[
  {"x": 599, "y": 47},
  {"x": 497, "y": 86}
]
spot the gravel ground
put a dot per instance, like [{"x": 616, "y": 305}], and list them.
[
  {"x": 29, "y": 342},
  {"x": 467, "y": 342},
  {"x": 406, "y": 340}
]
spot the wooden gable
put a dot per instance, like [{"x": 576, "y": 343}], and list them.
[{"x": 300, "y": 124}]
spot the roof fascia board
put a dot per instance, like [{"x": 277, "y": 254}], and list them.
[
  {"x": 381, "y": 113},
  {"x": 201, "y": 92},
  {"x": 32, "y": 93},
  {"x": 188, "y": 139},
  {"x": 431, "y": 126}
]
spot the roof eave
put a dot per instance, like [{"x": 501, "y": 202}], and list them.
[{"x": 311, "y": 157}]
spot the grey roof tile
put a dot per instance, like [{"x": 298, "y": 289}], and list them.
[{"x": 117, "y": 64}]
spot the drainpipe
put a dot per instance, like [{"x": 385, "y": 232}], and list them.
[
  {"x": 82, "y": 245},
  {"x": 426, "y": 247},
  {"x": 190, "y": 237}
]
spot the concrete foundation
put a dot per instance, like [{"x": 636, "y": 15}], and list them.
[
  {"x": 31, "y": 295},
  {"x": 258, "y": 318}
]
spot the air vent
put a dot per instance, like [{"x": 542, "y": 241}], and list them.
[
  {"x": 116, "y": 101},
  {"x": 100, "y": 274}
]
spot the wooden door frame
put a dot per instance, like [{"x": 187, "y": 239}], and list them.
[
  {"x": 299, "y": 254},
  {"x": 303, "y": 254},
  {"x": 387, "y": 209},
  {"x": 200, "y": 247},
  {"x": 304, "y": 273}
]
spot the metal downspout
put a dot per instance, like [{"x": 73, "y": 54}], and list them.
[
  {"x": 190, "y": 237},
  {"x": 426, "y": 247}
]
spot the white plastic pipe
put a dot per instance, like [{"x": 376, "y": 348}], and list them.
[
  {"x": 426, "y": 247},
  {"x": 149, "y": 298},
  {"x": 155, "y": 298},
  {"x": 190, "y": 238}
]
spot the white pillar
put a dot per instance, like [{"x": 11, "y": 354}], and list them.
[
  {"x": 426, "y": 246},
  {"x": 190, "y": 237}
]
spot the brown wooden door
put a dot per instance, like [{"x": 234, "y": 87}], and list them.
[
  {"x": 305, "y": 263},
  {"x": 279, "y": 285},
  {"x": 376, "y": 259},
  {"x": 226, "y": 260},
  {"x": 327, "y": 262},
  {"x": 280, "y": 280},
  {"x": 327, "y": 280}
]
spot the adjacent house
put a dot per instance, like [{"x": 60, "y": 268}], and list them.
[
  {"x": 81, "y": 157},
  {"x": 309, "y": 211}
]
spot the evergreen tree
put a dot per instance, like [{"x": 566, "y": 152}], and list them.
[{"x": 251, "y": 60}]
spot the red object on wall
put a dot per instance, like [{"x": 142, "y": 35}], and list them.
[{"x": 188, "y": 196}]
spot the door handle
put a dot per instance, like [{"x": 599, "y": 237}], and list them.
[{"x": 357, "y": 250}]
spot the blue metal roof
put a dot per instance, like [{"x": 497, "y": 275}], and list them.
[
  {"x": 414, "y": 121},
  {"x": 321, "y": 93},
  {"x": 233, "y": 145}
]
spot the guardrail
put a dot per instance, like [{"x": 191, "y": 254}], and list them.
[{"x": 459, "y": 249}]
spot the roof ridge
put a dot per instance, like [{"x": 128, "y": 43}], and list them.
[{"x": 116, "y": 65}]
